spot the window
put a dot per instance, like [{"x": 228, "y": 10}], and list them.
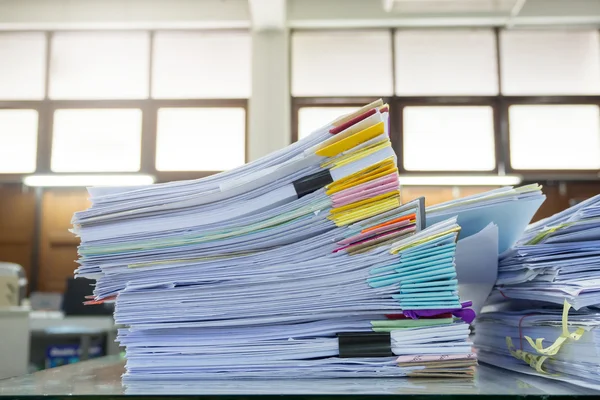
[
  {"x": 200, "y": 139},
  {"x": 22, "y": 66},
  {"x": 312, "y": 118},
  {"x": 201, "y": 65},
  {"x": 453, "y": 138},
  {"x": 550, "y": 62},
  {"x": 18, "y": 141},
  {"x": 448, "y": 62},
  {"x": 342, "y": 63},
  {"x": 106, "y": 65},
  {"x": 554, "y": 137},
  {"x": 96, "y": 140}
]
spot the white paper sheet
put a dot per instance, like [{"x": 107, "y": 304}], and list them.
[{"x": 477, "y": 265}]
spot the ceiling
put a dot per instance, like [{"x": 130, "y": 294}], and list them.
[
  {"x": 439, "y": 13},
  {"x": 298, "y": 14}
]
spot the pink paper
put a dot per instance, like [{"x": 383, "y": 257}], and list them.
[
  {"x": 384, "y": 180},
  {"x": 366, "y": 194}
]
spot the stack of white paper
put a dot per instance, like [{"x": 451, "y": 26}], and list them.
[
  {"x": 303, "y": 264},
  {"x": 558, "y": 258},
  {"x": 508, "y": 340},
  {"x": 554, "y": 266}
]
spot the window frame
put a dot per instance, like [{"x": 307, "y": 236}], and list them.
[
  {"x": 545, "y": 174},
  {"x": 398, "y": 105},
  {"x": 149, "y": 107},
  {"x": 323, "y": 102},
  {"x": 149, "y": 141},
  {"x": 499, "y": 103},
  {"x": 25, "y": 105}
]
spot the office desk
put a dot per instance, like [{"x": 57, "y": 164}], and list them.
[
  {"x": 44, "y": 322},
  {"x": 102, "y": 377}
]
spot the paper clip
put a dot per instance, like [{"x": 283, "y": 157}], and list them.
[{"x": 537, "y": 360}]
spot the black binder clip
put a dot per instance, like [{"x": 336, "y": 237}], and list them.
[{"x": 364, "y": 344}]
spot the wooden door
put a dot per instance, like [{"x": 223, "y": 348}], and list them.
[
  {"x": 58, "y": 246},
  {"x": 17, "y": 215}
]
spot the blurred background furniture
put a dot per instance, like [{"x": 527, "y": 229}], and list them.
[
  {"x": 14, "y": 346},
  {"x": 13, "y": 284}
]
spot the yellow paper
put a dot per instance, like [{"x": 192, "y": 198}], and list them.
[
  {"x": 424, "y": 240},
  {"x": 364, "y": 202},
  {"x": 352, "y": 141},
  {"x": 378, "y": 170},
  {"x": 356, "y": 155},
  {"x": 358, "y": 214}
]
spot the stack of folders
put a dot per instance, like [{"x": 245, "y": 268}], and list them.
[
  {"x": 302, "y": 264},
  {"x": 549, "y": 285}
]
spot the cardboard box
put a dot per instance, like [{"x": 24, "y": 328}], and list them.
[{"x": 9, "y": 291}]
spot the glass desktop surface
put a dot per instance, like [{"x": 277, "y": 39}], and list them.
[{"x": 102, "y": 378}]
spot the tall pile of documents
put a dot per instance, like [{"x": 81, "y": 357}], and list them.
[
  {"x": 548, "y": 322},
  {"x": 302, "y": 264}
]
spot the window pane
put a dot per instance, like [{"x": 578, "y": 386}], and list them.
[
  {"x": 447, "y": 62},
  {"x": 22, "y": 66},
  {"x": 97, "y": 140},
  {"x": 550, "y": 63},
  {"x": 348, "y": 63},
  {"x": 554, "y": 137},
  {"x": 200, "y": 139},
  {"x": 201, "y": 65},
  {"x": 312, "y": 118},
  {"x": 459, "y": 138},
  {"x": 18, "y": 141},
  {"x": 107, "y": 65}
]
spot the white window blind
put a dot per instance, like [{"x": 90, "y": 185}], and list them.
[
  {"x": 446, "y": 62},
  {"x": 342, "y": 63},
  {"x": 550, "y": 62},
  {"x": 99, "y": 65},
  {"x": 201, "y": 65},
  {"x": 22, "y": 66}
]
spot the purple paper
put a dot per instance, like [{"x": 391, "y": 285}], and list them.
[{"x": 464, "y": 313}]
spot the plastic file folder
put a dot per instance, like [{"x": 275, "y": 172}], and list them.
[{"x": 511, "y": 209}]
